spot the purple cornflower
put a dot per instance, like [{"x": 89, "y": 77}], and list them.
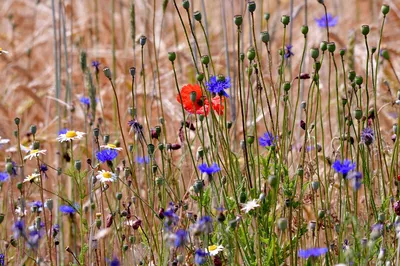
[
  {"x": 312, "y": 252},
  {"x": 180, "y": 238},
  {"x": 96, "y": 64},
  {"x": 67, "y": 209},
  {"x": 4, "y": 176},
  {"x": 267, "y": 140},
  {"x": 367, "y": 136},
  {"x": 218, "y": 85},
  {"x": 288, "y": 51},
  {"x": 85, "y": 101},
  {"x": 36, "y": 206},
  {"x": 332, "y": 21},
  {"x": 2, "y": 258},
  {"x": 18, "y": 228},
  {"x": 214, "y": 168},
  {"x": 106, "y": 155},
  {"x": 171, "y": 217},
  {"x": 143, "y": 160},
  {"x": 115, "y": 262},
  {"x": 343, "y": 167},
  {"x": 62, "y": 131},
  {"x": 200, "y": 257},
  {"x": 33, "y": 239},
  {"x": 206, "y": 224},
  {"x": 356, "y": 180}
]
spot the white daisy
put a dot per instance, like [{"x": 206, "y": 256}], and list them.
[
  {"x": 70, "y": 135},
  {"x": 18, "y": 211},
  {"x": 250, "y": 205},
  {"x": 214, "y": 249},
  {"x": 3, "y": 51},
  {"x": 106, "y": 176},
  {"x": 31, "y": 178},
  {"x": 34, "y": 153},
  {"x": 111, "y": 147},
  {"x": 4, "y": 141}
]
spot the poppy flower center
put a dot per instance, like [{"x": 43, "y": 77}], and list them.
[{"x": 71, "y": 134}]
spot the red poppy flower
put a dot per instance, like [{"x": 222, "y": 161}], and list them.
[
  {"x": 218, "y": 104},
  {"x": 200, "y": 106}
]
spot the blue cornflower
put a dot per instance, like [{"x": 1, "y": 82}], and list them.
[
  {"x": 214, "y": 168},
  {"x": 115, "y": 262},
  {"x": 56, "y": 229},
  {"x": 206, "y": 224},
  {"x": 2, "y": 259},
  {"x": 332, "y": 21},
  {"x": 343, "y": 167},
  {"x": 180, "y": 238},
  {"x": 106, "y": 155},
  {"x": 312, "y": 252},
  {"x": 200, "y": 257},
  {"x": 219, "y": 85},
  {"x": 67, "y": 209},
  {"x": 170, "y": 217},
  {"x": 367, "y": 136},
  {"x": 4, "y": 176},
  {"x": 85, "y": 100},
  {"x": 267, "y": 140},
  {"x": 62, "y": 131},
  {"x": 356, "y": 180},
  {"x": 143, "y": 160},
  {"x": 36, "y": 204},
  {"x": 18, "y": 228},
  {"x": 33, "y": 238},
  {"x": 96, "y": 65},
  {"x": 288, "y": 52}
]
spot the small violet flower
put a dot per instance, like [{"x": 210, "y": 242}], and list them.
[
  {"x": 218, "y": 85},
  {"x": 343, "y": 167},
  {"x": 85, "y": 101},
  {"x": 200, "y": 257},
  {"x": 332, "y": 21},
  {"x": 4, "y": 176},
  {"x": 312, "y": 252},
  {"x": 96, "y": 64},
  {"x": 67, "y": 209},
  {"x": 367, "y": 136},
  {"x": 267, "y": 140},
  {"x": 180, "y": 238},
  {"x": 143, "y": 160},
  {"x": 106, "y": 155},
  {"x": 355, "y": 179},
  {"x": 214, "y": 168},
  {"x": 288, "y": 51}
]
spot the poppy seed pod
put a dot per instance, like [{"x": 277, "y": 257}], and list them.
[
  {"x": 282, "y": 224},
  {"x": 285, "y": 20},
  {"x": 251, "y": 6},
  {"x": 331, "y": 47},
  {"x": 107, "y": 72},
  {"x": 267, "y": 16},
  {"x": 186, "y": 4},
  {"x": 323, "y": 46},
  {"x": 351, "y": 75},
  {"x": 314, "y": 52},
  {"x": 359, "y": 80},
  {"x": 251, "y": 54},
  {"x": 365, "y": 30},
  {"x": 197, "y": 15},
  {"x": 171, "y": 56},
  {"x": 205, "y": 59},
  {"x": 304, "y": 29},
  {"x": 238, "y": 19},
  {"x": 385, "y": 9},
  {"x": 142, "y": 40},
  {"x": 265, "y": 36}
]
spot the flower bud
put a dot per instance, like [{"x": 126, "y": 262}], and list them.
[
  {"x": 132, "y": 71},
  {"x": 314, "y": 52},
  {"x": 331, "y": 47},
  {"x": 323, "y": 46},
  {"x": 351, "y": 75},
  {"x": 171, "y": 56},
  {"x": 358, "y": 113},
  {"x": 197, "y": 15},
  {"x": 107, "y": 72},
  {"x": 251, "y": 54},
  {"x": 118, "y": 195},
  {"x": 199, "y": 77},
  {"x": 251, "y": 6},
  {"x": 205, "y": 59},
  {"x": 150, "y": 149},
  {"x": 365, "y": 30},
  {"x": 186, "y": 4},
  {"x": 238, "y": 19},
  {"x": 385, "y": 54},
  {"x": 304, "y": 30},
  {"x": 17, "y": 120},
  {"x": 265, "y": 36},
  {"x": 285, "y": 20},
  {"x": 385, "y": 9},
  {"x": 342, "y": 52},
  {"x": 142, "y": 40},
  {"x": 33, "y": 129},
  {"x": 267, "y": 16},
  {"x": 359, "y": 80},
  {"x": 286, "y": 86}
]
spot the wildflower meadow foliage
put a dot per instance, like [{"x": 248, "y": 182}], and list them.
[{"x": 246, "y": 147}]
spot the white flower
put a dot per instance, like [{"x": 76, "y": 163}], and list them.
[
  {"x": 70, "y": 135},
  {"x": 4, "y": 141},
  {"x": 34, "y": 153},
  {"x": 18, "y": 211},
  {"x": 250, "y": 205},
  {"x": 3, "y": 51},
  {"x": 106, "y": 176},
  {"x": 31, "y": 178},
  {"x": 111, "y": 147},
  {"x": 15, "y": 149},
  {"x": 214, "y": 249}
]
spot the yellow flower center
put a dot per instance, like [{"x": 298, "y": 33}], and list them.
[
  {"x": 212, "y": 248},
  {"x": 34, "y": 151},
  {"x": 111, "y": 146},
  {"x": 71, "y": 134},
  {"x": 107, "y": 175}
]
